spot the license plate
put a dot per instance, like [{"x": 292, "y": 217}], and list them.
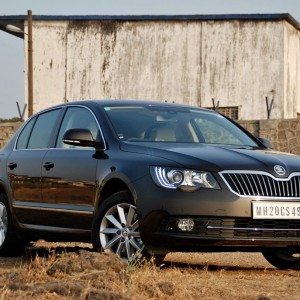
[{"x": 276, "y": 210}]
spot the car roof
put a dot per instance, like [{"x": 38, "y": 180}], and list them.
[{"x": 103, "y": 103}]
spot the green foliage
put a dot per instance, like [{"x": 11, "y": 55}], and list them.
[{"x": 14, "y": 119}]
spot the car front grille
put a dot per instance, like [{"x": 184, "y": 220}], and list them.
[{"x": 262, "y": 184}]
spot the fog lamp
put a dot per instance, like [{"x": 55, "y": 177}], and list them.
[{"x": 186, "y": 224}]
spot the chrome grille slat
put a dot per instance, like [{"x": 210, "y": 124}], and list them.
[
  {"x": 289, "y": 191},
  {"x": 279, "y": 187},
  {"x": 274, "y": 185},
  {"x": 265, "y": 185},
  {"x": 257, "y": 192},
  {"x": 292, "y": 186},
  {"x": 236, "y": 188},
  {"x": 286, "y": 188},
  {"x": 250, "y": 185},
  {"x": 262, "y": 191},
  {"x": 283, "y": 188},
  {"x": 271, "y": 191},
  {"x": 262, "y": 184},
  {"x": 245, "y": 183},
  {"x": 239, "y": 183}
]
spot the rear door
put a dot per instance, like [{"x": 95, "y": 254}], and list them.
[
  {"x": 25, "y": 163},
  {"x": 69, "y": 181}
]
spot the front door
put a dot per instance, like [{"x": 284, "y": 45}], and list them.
[{"x": 69, "y": 175}]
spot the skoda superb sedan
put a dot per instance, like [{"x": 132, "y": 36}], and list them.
[{"x": 145, "y": 177}]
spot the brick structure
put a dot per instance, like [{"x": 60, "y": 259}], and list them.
[
  {"x": 284, "y": 134},
  {"x": 7, "y": 129}
]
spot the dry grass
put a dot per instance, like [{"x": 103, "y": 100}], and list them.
[{"x": 77, "y": 273}]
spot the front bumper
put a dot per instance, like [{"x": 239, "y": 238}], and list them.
[{"x": 223, "y": 221}]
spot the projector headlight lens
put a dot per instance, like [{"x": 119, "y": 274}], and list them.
[{"x": 189, "y": 180}]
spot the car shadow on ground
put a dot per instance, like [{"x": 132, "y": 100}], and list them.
[{"x": 212, "y": 267}]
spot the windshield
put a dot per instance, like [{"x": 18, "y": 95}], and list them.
[{"x": 174, "y": 124}]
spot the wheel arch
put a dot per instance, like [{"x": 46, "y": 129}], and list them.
[
  {"x": 2, "y": 189},
  {"x": 111, "y": 185}
]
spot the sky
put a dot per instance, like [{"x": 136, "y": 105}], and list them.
[{"x": 12, "y": 48}]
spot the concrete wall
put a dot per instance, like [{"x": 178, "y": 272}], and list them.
[
  {"x": 236, "y": 62},
  {"x": 241, "y": 63},
  {"x": 291, "y": 70},
  {"x": 7, "y": 130}
]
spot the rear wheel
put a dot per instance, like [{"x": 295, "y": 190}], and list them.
[
  {"x": 116, "y": 228},
  {"x": 10, "y": 243},
  {"x": 283, "y": 259}
]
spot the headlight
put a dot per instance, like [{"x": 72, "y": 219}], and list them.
[{"x": 186, "y": 180}]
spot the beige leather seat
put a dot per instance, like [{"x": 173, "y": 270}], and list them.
[{"x": 161, "y": 133}]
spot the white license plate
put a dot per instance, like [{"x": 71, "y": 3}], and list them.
[{"x": 275, "y": 210}]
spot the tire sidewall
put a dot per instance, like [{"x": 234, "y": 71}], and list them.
[
  {"x": 115, "y": 199},
  {"x": 275, "y": 259},
  {"x": 4, "y": 201}
]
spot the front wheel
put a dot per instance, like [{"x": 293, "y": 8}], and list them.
[
  {"x": 116, "y": 227},
  {"x": 283, "y": 258}
]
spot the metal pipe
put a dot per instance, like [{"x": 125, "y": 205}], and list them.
[{"x": 30, "y": 65}]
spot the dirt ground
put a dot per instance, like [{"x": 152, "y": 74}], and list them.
[{"x": 68, "y": 271}]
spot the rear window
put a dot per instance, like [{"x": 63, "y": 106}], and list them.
[
  {"x": 42, "y": 131},
  {"x": 25, "y": 134}
]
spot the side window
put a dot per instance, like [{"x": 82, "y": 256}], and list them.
[
  {"x": 42, "y": 130},
  {"x": 77, "y": 118},
  {"x": 24, "y": 135}
]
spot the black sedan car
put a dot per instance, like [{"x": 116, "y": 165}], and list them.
[{"x": 146, "y": 177}]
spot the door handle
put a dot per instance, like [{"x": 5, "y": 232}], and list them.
[
  {"x": 48, "y": 165},
  {"x": 12, "y": 165}
]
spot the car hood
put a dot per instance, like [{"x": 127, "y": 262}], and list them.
[{"x": 217, "y": 158}]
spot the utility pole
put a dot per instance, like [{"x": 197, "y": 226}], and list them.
[{"x": 30, "y": 64}]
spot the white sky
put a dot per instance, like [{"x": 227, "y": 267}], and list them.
[{"x": 12, "y": 52}]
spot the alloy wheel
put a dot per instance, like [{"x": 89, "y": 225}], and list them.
[
  {"x": 119, "y": 232},
  {"x": 3, "y": 223}
]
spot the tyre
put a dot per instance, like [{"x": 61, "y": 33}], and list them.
[
  {"x": 10, "y": 243},
  {"x": 116, "y": 228},
  {"x": 283, "y": 259}
]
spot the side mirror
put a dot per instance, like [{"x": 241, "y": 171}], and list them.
[
  {"x": 82, "y": 138},
  {"x": 266, "y": 142}
]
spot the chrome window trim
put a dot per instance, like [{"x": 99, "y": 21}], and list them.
[
  {"x": 55, "y": 108},
  {"x": 46, "y": 149},
  {"x": 275, "y": 198},
  {"x": 53, "y": 209}
]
